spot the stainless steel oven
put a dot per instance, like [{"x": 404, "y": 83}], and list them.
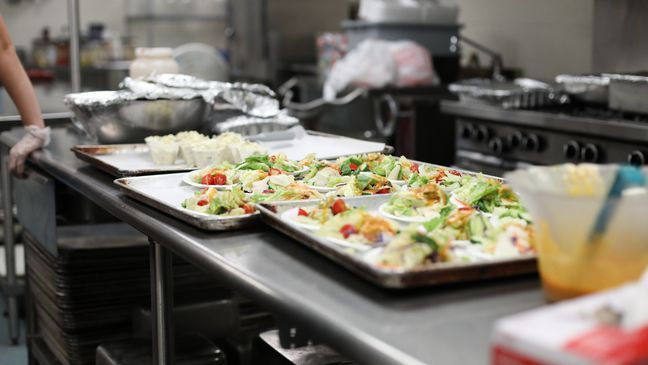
[{"x": 495, "y": 140}]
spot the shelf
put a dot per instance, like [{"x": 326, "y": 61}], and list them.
[{"x": 174, "y": 17}]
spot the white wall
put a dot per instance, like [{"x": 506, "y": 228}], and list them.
[
  {"x": 26, "y": 19},
  {"x": 544, "y": 37}
]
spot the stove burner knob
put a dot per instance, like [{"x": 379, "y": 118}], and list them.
[
  {"x": 467, "y": 131},
  {"x": 482, "y": 134},
  {"x": 532, "y": 143},
  {"x": 590, "y": 153},
  {"x": 572, "y": 150},
  {"x": 515, "y": 139},
  {"x": 497, "y": 145},
  {"x": 636, "y": 158}
]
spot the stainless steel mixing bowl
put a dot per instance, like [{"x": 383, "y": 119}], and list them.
[{"x": 132, "y": 121}]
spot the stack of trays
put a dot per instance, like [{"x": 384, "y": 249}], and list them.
[{"x": 86, "y": 294}]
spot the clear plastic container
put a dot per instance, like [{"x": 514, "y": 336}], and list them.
[
  {"x": 564, "y": 202},
  {"x": 151, "y": 61}
]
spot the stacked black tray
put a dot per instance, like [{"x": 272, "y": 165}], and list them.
[{"x": 85, "y": 295}]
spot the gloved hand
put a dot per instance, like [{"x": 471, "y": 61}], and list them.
[{"x": 35, "y": 138}]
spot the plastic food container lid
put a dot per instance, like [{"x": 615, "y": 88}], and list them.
[{"x": 154, "y": 52}]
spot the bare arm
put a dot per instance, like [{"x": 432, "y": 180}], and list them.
[{"x": 15, "y": 80}]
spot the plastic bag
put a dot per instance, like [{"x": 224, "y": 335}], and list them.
[{"x": 377, "y": 63}]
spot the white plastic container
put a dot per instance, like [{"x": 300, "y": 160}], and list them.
[
  {"x": 151, "y": 61},
  {"x": 438, "y": 12}
]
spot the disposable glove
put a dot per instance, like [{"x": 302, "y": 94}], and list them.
[{"x": 35, "y": 138}]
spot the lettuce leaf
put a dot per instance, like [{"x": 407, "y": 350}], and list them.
[{"x": 345, "y": 167}]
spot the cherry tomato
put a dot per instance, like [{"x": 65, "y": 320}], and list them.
[
  {"x": 218, "y": 179},
  {"x": 348, "y": 230},
  {"x": 455, "y": 172},
  {"x": 302, "y": 212},
  {"x": 202, "y": 203},
  {"x": 353, "y": 166},
  {"x": 248, "y": 209},
  {"x": 415, "y": 168},
  {"x": 338, "y": 206},
  {"x": 206, "y": 179},
  {"x": 383, "y": 191},
  {"x": 268, "y": 191},
  {"x": 274, "y": 171}
]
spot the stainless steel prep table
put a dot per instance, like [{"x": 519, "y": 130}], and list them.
[{"x": 370, "y": 325}]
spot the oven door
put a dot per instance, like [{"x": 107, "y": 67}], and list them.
[{"x": 488, "y": 164}]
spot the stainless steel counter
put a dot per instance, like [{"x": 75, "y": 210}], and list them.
[{"x": 449, "y": 325}]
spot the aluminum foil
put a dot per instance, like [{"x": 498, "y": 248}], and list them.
[
  {"x": 257, "y": 101},
  {"x": 98, "y": 98},
  {"x": 152, "y": 91},
  {"x": 594, "y": 80},
  {"x": 247, "y": 125},
  {"x": 627, "y": 78},
  {"x": 186, "y": 81},
  {"x": 253, "y": 100},
  {"x": 252, "y": 104},
  {"x": 487, "y": 87},
  {"x": 586, "y": 88},
  {"x": 520, "y": 94}
]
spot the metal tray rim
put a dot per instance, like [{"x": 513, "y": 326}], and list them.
[
  {"x": 81, "y": 151},
  {"x": 200, "y": 220},
  {"x": 399, "y": 278}
]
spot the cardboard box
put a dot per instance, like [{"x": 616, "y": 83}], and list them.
[{"x": 608, "y": 328}]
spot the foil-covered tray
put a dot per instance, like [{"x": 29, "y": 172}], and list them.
[
  {"x": 359, "y": 262},
  {"x": 122, "y": 160},
  {"x": 586, "y": 88},
  {"x": 520, "y": 93},
  {"x": 167, "y": 192}
]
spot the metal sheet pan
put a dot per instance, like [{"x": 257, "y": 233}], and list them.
[
  {"x": 166, "y": 193},
  {"x": 431, "y": 275},
  {"x": 122, "y": 160}
]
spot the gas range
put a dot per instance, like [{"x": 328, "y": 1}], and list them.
[{"x": 496, "y": 140}]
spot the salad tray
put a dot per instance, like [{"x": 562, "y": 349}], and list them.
[
  {"x": 358, "y": 262},
  {"x": 123, "y": 160},
  {"x": 167, "y": 192}
]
